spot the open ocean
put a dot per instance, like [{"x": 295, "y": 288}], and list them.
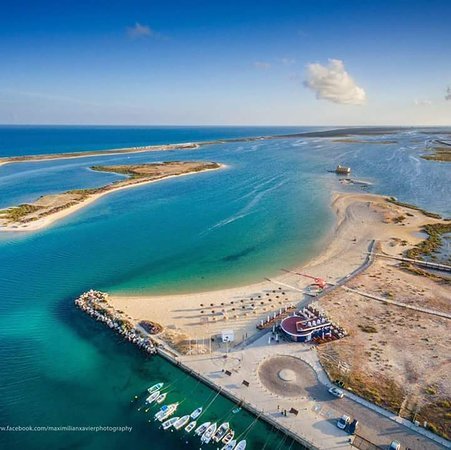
[{"x": 267, "y": 210}]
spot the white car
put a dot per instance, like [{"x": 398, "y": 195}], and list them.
[
  {"x": 337, "y": 392},
  {"x": 343, "y": 422},
  {"x": 395, "y": 445}
]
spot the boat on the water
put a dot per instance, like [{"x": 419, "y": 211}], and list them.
[
  {"x": 209, "y": 432},
  {"x": 241, "y": 445},
  {"x": 152, "y": 397},
  {"x": 170, "y": 422},
  {"x": 201, "y": 428},
  {"x": 228, "y": 436},
  {"x": 166, "y": 411},
  {"x": 155, "y": 387},
  {"x": 222, "y": 430},
  {"x": 161, "y": 398},
  {"x": 181, "y": 422},
  {"x": 236, "y": 410},
  {"x": 190, "y": 427},
  {"x": 229, "y": 446},
  {"x": 196, "y": 413}
]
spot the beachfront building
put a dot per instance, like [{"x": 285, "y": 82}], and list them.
[{"x": 304, "y": 326}]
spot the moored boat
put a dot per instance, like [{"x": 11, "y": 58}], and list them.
[
  {"x": 170, "y": 422},
  {"x": 152, "y": 397},
  {"x": 241, "y": 445},
  {"x": 166, "y": 411},
  {"x": 222, "y": 430},
  {"x": 161, "y": 398},
  {"x": 229, "y": 446},
  {"x": 209, "y": 432},
  {"x": 201, "y": 428},
  {"x": 181, "y": 422},
  {"x": 196, "y": 413},
  {"x": 228, "y": 436},
  {"x": 190, "y": 427},
  {"x": 155, "y": 387}
]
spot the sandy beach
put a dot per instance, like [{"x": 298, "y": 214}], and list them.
[
  {"x": 56, "y": 216},
  {"x": 193, "y": 317}
]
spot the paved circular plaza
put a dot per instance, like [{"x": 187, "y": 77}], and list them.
[{"x": 287, "y": 376}]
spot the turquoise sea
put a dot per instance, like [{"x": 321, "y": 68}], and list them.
[{"x": 267, "y": 210}]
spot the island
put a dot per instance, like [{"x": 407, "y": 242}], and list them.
[{"x": 49, "y": 208}]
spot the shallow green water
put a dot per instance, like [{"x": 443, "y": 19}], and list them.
[{"x": 267, "y": 210}]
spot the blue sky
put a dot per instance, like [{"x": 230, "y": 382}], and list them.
[{"x": 298, "y": 62}]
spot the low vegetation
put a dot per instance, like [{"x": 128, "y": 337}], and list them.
[
  {"x": 416, "y": 208},
  {"x": 437, "y": 416},
  {"x": 433, "y": 242},
  {"x": 17, "y": 213},
  {"x": 439, "y": 153},
  {"x": 381, "y": 390}
]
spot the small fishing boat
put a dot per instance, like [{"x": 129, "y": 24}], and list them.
[
  {"x": 152, "y": 397},
  {"x": 161, "y": 398},
  {"x": 196, "y": 413},
  {"x": 210, "y": 431},
  {"x": 241, "y": 445},
  {"x": 228, "y": 436},
  {"x": 190, "y": 426},
  {"x": 166, "y": 411},
  {"x": 229, "y": 446},
  {"x": 181, "y": 422},
  {"x": 236, "y": 410},
  {"x": 201, "y": 428},
  {"x": 170, "y": 422},
  {"x": 155, "y": 387},
  {"x": 222, "y": 430}
]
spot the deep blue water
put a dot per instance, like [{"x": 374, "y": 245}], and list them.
[
  {"x": 268, "y": 209},
  {"x": 32, "y": 140}
]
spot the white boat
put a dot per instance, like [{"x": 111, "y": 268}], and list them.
[
  {"x": 222, "y": 430},
  {"x": 170, "y": 422},
  {"x": 161, "y": 398},
  {"x": 181, "y": 422},
  {"x": 155, "y": 387},
  {"x": 166, "y": 411},
  {"x": 228, "y": 436},
  {"x": 196, "y": 413},
  {"x": 210, "y": 431},
  {"x": 229, "y": 446},
  {"x": 152, "y": 397},
  {"x": 190, "y": 427},
  {"x": 201, "y": 428},
  {"x": 241, "y": 445}
]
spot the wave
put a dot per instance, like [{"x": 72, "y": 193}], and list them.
[{"x": 247, "y": 209}]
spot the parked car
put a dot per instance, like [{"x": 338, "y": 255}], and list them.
[
  {"x": 337, "y": 392},
  {"x": 343, "y": 422},
  {"x": 395, "y": 445},
  {"x": 353, "y": 426}
]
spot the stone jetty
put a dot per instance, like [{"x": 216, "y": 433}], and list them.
[{"x": 95, "y": 304}]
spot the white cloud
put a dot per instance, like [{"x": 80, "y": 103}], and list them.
[
  {"x": 448, "y": 93},
  {"x": 422, "y": 102},
  {"x": 138, "y": 31},
  {"x": 333, "y": 83},
  {"x": 287, "y": 61},
  {"x": 262, "y": 65}
]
